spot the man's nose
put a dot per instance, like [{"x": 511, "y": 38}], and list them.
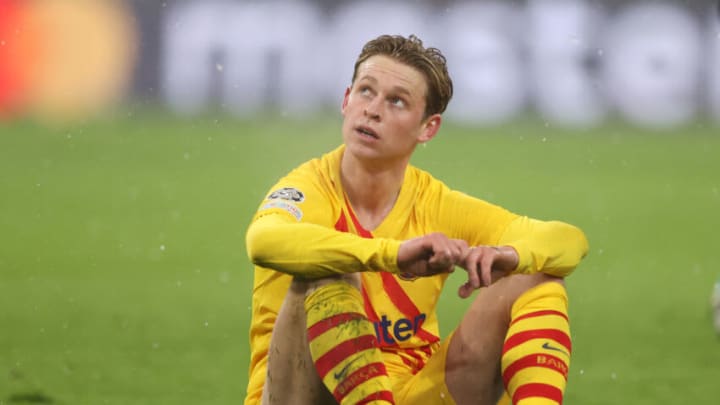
[{"x": 372, "y": 109}]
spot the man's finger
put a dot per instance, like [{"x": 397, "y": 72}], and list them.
[
  {"x": 486, "y": 263},
  {"x": 471, "y": 263},
  {"x": 465, "y": 290}
]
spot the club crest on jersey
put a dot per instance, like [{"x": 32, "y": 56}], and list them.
[{"x": 287, "y": 193}]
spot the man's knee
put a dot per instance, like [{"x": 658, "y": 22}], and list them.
[
  {"x": 305, "y": 287},
  {"x": 514, "y": 286}
]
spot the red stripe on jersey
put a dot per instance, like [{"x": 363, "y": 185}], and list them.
[
  {"x": 538, "y": 390},
  {"x": 378, "y": 396},
  {"x": 539, "y": 313},
  {"x": 419, "y": 361},
  {"x": 535, "y": 360},
  {"x": 392, "y": 286},
  {"x": 358, "y": 377},
  {"x": 369, "y": 310},
  {"x": 359, "y": 228},
  {"x": 326, "y": 324},
  {"x": 427, "y": 350},
  {"x": 407, "y": 362},
  {"x": 549, "y": 334},
  {"x": 404, "y": 304},
  {"x": 334, "y": 356},
  {"x": 341, "y": 224}
]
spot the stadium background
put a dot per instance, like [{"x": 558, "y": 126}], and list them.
[{"x": 136, "y": 139}]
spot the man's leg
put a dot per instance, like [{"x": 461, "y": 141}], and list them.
[
  {"x": 323, "y": 337},
  {"x": 517, "y": 325},
  {"x": 291, "y": 376}
]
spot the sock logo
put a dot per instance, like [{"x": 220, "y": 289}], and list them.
[
  {"x": 552, "y": 362},
  {"x": 343, "y": 371},
  {"x": 547, "y": 346}
]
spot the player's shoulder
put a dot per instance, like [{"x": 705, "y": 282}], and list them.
[
  {"x": 423, "y": 181},
  {"x": 323, "y": 166}
]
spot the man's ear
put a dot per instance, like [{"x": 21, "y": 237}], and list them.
[
  {"x": 430, "y": 128},
  {"x": 345, "y": 100}
]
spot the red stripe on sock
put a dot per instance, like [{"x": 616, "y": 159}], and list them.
[
  {"x": 549, "y": 334},
  {"x": 358, "y": 377},
  {"x": 539, "y": 313},
  {"x": 535, "y": 360},
  {"x": 326, "y": 324},
  {"x": 334, "y": 356},
  {"x": 378, "y": 396},
  {"x": 538, "y": 390}
]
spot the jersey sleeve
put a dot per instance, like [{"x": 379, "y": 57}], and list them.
[
  {"x": 461, "y": 216},
  {"x": 551, "y": 247},
  {"x": 292, "y": 232}
]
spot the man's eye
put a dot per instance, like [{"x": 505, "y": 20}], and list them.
[{"x": 397, "y": 102}]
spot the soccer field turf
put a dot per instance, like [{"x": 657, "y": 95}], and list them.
[{"x": 124, "y": 277}]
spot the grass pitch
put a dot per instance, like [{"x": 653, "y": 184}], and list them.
[{"x": 124, "y": 278}]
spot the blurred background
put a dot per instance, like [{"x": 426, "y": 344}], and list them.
[
  {"x": 138, "y": 137},
  {"x": 572, "y": 62}
]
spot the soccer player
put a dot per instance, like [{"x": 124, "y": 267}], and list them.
[{"x": 353, "y": 248}]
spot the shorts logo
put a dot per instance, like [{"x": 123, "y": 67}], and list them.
[
  {"x": 287, "y": 193},
  {"x": 291, "y": 208}
]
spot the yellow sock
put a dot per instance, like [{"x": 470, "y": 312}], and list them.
[
  {"x": 343, "y": 346},
  {"x": 536, "y": 354}
]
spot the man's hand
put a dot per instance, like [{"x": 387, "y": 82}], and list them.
[
  {"x": 485, "y": 265},
  {"x": 429, "y": 255}
]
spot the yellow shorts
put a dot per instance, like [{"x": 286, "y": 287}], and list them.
[{"x": 427, "y": 386}]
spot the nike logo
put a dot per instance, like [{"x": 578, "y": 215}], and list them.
[
  {"x": 547, "y": 346},
  {"x": 341, "y": 374}
]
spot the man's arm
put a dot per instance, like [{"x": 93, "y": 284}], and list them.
[
  {"x": 550, "y": 247},
  {"x": 313, "y": 251},
  {"x": 528, "y": 246}
]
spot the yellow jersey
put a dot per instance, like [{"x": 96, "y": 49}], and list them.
[{"x": 306, "y": 226}]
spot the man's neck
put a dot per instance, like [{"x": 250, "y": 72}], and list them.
[{"x": 371, "y": 188}]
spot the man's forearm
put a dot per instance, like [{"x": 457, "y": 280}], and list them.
[
  {"x": 313, "y": 251},
  {"x": 551, "y": 247}
]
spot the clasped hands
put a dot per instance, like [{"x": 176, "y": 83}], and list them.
[{"x": 435, "y": 253}]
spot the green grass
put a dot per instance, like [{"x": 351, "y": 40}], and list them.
[{"x": 124, "y": 278}]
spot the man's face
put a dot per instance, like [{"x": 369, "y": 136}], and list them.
[{"x": 383, "y": 110}]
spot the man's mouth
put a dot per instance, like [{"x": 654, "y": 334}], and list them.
[{"x": 368, "y": 132}]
